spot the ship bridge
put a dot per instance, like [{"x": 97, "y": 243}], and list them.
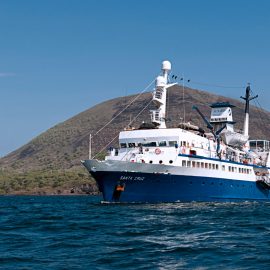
[{"x": 149, "y": 138}]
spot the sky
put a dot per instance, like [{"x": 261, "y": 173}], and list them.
[{"x": 60, "y": 57}]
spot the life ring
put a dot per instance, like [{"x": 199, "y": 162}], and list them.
[
  {"x": 157, "y": 151},
  {"x": 183, "y": 150}
]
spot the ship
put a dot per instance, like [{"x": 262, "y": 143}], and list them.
[{"x": 186, "y": 163}]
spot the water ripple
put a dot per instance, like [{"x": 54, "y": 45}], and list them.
[{"x": 80, "y": 233}]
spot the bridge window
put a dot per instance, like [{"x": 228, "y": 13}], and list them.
[
  {"x": 131, "y": 145},
  {"x": 162, "y": 143},
  {"x": 123, "y": 145},
  {"x": 149, "y": 144},
  {"x": 172, "y": 143}
]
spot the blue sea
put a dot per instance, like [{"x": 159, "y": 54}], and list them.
[{"x": 78, "y": 232}]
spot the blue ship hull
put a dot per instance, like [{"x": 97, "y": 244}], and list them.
[{"x": 130, "y": 187}]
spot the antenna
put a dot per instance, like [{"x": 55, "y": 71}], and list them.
[
  {"x": 90, "y": 146},
  {"x": 184, "y": 107},
  {"x": 247, "y": 98}
]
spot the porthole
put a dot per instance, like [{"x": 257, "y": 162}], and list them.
[
  {"x": 160, "y": 162},
  {"x": 151, "y": 161},
  {"x": 170, "y": 161}
]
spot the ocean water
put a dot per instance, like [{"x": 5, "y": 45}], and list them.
[{"x": 77, "y": 232}]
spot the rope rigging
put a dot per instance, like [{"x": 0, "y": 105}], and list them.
[
  {"x": 213, "y": 85},
  {"x": 105, "y": 147},
  {"x": 259, "y": 109},
  {"x": 132, "y": 101}
]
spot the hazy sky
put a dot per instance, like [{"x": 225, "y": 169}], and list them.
[{"x": 58, "y": 58}]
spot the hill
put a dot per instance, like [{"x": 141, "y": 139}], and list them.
[{"x": 57, "y": 152}]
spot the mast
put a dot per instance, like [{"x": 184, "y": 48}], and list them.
[
  {"x": 247, "y": 98},
  {"x": 160, "y": 95}
]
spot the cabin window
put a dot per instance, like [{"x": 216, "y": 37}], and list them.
[
  {"x": 116, "y": 152},
  {"x": 230, "y": 169},
  {"x": 183, "y": 163},
  {"x": 123, "y": 145},
  {"x": 160, "y": 162},
  {"x": 172, "y": 143},
  {"x": 252, "y": 144},
  {"x": 131, "y": 145},
  {"x": 193, "y": 164},
  {"x": 162, "y": 144},
  {"x": 223, "y": 167},
  {"x": 149, "y": 144},
  {"x": 216, "y": 166},
  {"x": 202, "y": 165},
  {"x": 206, "y": 165},
  {"x": 188, "y": 163},
  {"x": 198, "y": 164},
  {"x": 184, "y": 144},
  {"x": 213, "y": 166}
]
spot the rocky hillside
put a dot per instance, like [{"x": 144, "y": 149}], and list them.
[{"x": 64, "y": 145}]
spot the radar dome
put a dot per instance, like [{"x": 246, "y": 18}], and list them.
[{"x": 166, "y": 65}]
